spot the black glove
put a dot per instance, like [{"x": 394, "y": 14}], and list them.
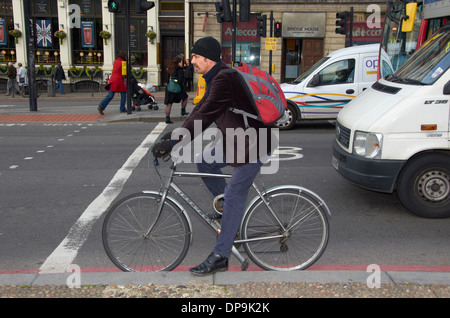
[
  {"x": 166, "y": 136},
  {"x": 162, "y": 148}
]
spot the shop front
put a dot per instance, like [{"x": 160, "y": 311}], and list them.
[{"x": 303, "y": 41}]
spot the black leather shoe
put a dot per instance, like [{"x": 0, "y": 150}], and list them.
[{"x": 214, "y": 263}]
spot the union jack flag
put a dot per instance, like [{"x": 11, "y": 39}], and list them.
[{"x": 44, "y": 33}]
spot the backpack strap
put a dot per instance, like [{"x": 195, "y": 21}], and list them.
[{"x": 244, "y": 115}]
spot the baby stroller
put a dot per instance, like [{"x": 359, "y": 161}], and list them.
[{"x": 141, "y": 95}]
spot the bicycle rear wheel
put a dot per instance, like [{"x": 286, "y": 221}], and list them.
[
  {"x": 294, "y": 238},
  {"x": 124, "y": 234}
]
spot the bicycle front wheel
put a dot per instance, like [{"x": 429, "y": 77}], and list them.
[
  {"x": 136, "y": 238},
  {"x": 291, "y": 235}
]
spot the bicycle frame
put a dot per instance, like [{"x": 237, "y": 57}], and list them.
[{"x": 170, "y": 184}]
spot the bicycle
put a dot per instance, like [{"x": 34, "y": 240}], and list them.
[
  {"x": 284, "y": 228},
  {"x": 101, "y": 87},
  {"x": 40, "y": 85}
]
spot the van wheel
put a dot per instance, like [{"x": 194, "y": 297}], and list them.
[
  {"x": 424, "y": 186},
  {"x": 291, "y": 118}
]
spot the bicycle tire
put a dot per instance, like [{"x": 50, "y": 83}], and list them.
[
  {"x": 124, "y": 228},
  {"x": 302, "y": 213}
]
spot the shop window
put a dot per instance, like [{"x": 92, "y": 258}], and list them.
[
  {"x": 138, "y": 40},
  {"x": 248, "y": 43},
  {"x": 46, "y": 44},
  {"x": 87, "y": 44},
  {"x": 7, "y": 41}
]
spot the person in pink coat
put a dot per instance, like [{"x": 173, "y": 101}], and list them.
[{"x": 116, "y": 84}]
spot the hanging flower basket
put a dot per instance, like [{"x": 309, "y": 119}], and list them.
[
  {"x": 61, "y": 35},
  {"x": 150, "y": 35},
  {"x": 16, "y": 33},
  {"x": 105, "y": 35}
]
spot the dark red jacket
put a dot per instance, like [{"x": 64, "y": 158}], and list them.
[{"x": 226, "y": 90}]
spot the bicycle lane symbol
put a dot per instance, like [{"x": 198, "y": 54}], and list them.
[{"x": 286, "y": 153}]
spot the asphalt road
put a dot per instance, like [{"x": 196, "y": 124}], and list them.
[{"x": 57, "y": 179}]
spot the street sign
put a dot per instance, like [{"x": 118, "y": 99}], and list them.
[{"x": 271, "y": 44}]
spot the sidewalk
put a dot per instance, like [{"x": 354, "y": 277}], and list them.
[
  {"x": 234, "y": 284},
  {"x": 65, "y": 111},
  {"x": 250, "y": 284}
]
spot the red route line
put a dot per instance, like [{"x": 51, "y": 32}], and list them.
[
  {"x": 50, "y": 118},
  {"x": 237, "y": 268}
]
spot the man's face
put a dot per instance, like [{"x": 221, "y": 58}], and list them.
[{"x": 201, "y": 64}]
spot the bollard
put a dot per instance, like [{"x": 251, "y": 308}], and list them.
[{"x": 50, "y": 88}]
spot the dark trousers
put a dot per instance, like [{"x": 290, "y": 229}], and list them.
[{"x": 235, "y": 195}]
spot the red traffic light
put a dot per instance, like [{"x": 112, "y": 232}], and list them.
[{"x": 277, "y": 31}]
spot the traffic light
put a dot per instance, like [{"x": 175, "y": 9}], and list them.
[
  {"x": 277, "y": 32},
  {"x": 114, "y": 6},
  {"x": 262, "y": 26},
  {"x": 341, "y": 22},
  {"x": 244, "y": 10},
  {"x": 224, "y": 11},
  {"x": 143, "y": 6}
]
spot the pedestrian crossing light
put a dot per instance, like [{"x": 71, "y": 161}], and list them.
[
  {"x": 277, "y": 32},
  {"x": 341, "y": 22},
  {"x": 143, "y": 6},
  {"x": 114, "y": 6}
]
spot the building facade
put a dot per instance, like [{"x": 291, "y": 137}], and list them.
[{"x": 85, "y": 37}]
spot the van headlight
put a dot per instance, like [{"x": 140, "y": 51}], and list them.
[{"x": 367, "y": 145}]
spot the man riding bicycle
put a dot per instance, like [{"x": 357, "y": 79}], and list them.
[{"x": 224, "y": 90}]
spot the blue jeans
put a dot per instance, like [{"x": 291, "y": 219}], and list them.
[
  {"x": 60, "y": 86},
  {"x": 110, "y": 96},
  {"x": 235, "y": 196}
]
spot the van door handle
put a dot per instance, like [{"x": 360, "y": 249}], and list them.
[{"x": 349, "y": 91}]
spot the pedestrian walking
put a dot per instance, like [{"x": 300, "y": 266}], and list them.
[
  {"x": 189, "y": 75},
  {"x": 223, "y": 90},
  {"x": 11, "y": 85},
  {"x": 23, "y": 76},
  {"x": 59, "y": 76},
  {"x": 115, "y": 84},
  {"x": 176, "y": 73}
]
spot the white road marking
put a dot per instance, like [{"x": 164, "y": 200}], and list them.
[{"x": 65, "y": 253}]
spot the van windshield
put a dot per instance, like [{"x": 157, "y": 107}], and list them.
[
  {"x": 302, "y": 77},
  {"x": 428, "y": 63}
]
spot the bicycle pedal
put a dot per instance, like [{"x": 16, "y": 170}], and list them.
[{"x": 244, "y": 265}]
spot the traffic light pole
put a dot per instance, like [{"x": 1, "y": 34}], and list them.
[
  {"x": 233, "y": 34},
  {"x": 29, "y": 36},
  {"x": 128, "y": 52},
  {"x": 271, "y": 34}
]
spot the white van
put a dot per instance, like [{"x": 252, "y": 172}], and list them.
[
  {"x": 395, "y": 135},
  {"x": 322, "y": 91}
]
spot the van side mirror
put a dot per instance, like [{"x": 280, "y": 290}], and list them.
[
  {"x": 315, "y": 81},
  {"x": 447, "y": 88}
]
